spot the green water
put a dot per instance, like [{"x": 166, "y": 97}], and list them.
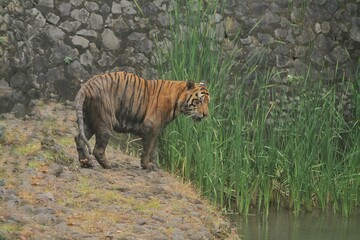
[{"x": 282, "y": 225}]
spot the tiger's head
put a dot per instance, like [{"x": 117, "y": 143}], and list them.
[{"x": 196, "y": 102}]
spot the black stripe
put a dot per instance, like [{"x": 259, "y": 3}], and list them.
[{"x": 159, "y": 91}]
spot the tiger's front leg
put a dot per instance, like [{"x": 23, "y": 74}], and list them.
[{"x": 149, "y": 145}]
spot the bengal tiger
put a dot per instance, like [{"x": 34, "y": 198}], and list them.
[{"x": 127, "y": 103}]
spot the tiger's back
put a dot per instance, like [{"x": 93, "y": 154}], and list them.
[{"x": 125, "y": 102}]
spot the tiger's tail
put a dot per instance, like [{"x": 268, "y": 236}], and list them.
[{"x": 79, "y": 102}]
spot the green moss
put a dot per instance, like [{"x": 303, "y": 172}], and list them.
[{"x": 27, "y": 149}]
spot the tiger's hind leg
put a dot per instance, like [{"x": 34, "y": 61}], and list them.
[
  {"x": 83, "y": 153},
  {"x": 102, "y": 138}
]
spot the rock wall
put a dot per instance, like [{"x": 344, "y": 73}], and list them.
[{"x": 49, "y": 47}]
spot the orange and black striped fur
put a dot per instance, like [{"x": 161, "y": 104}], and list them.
[{"x": 127, "y": 103}]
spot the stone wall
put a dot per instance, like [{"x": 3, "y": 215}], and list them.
[{"x": 49, "y": 47}]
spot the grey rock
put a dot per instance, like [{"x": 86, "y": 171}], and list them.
[
  {"x": 106, "y": 60},
  {"x": 86, "y": 58},
  {"x": 79, "y": 41},
  {"x": 91, "y": 6},
  {"x": 77, "y": 71},
  {"x": 64, "y": 8},
  {"x": 149, "y": 9},
  {"x": 325, "y": 27},
  {"x": 127, "y": 7},
  {"x": 355, "y": 34},
  {"x": 11, "y": 205},
  {"x": 55, "y": 74},
  {"x": 331, "y": 6},
  {"x": 60, "y": 51},
  {"x": 324, "y": 43},
  {"x": 352, "y": 8},
  {"x": 61, "y": 227},
  {"x": 306, "y": 36},
  {"x": 280, "y": 33},
  {"x": 258, "y": 8},
  {"x": 157, "y": 218},
  {"x": 4, "y": 84},
  {"x": 232, "y": 27},
  {"x": 37, "y": 25},
  {"x": 105, "y": 9},
  {"x": 52, "y": 18},
  {"x": 270, "y": 21},
  {"x": 19, "y": 110},
  {"x": 45, "y": 219},
  {"x": 76, "y": 3},
  {"x": 45, "y": 197},
  {"x": 337, "y": 56},
  {"x": 87, "y": 33},
  {"x": 47, "y": 4},
  {"x": 320, "y": 2},
  {"x": 118, "y": 24},
  {"x": 116, "y": 8},
  {"x": 81, "y": 15},
  {"x": 300, "y": 51},
  {"x": 165, "y": 19},
  {"x": 265, "y": 38},
  {"x": 109, "y": 40},
  {"x": 19, "y": 80},
  {"x": 70, "y": 26},
  {"x": 136, "y": 36},
  {"x": 177, "y": 234},
  {"x": 54, "y": 32},
  {"x": 282, "y": 61},
  {"x": 95, "y": 21},
  {"x": 3, "y": 191}
]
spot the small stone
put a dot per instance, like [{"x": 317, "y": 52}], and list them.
[
  {"x": 80, "y": 41},
  {"x": 317, "y": 28},
  {"x": 127, "y": 7},
  {"x": 105, "y": 8},
  {"x": 86, "y": 58},
  {"x": 95, "y": 21},
  {"x": 45, "y": 219},
  {"x": 165, "y": 19},
  {"x": 49, "y": 4},
  {"x": 87, "y": 33},
  {"x": 64, "y": 9},
  {"x": 91, "y": 6},
  {"x": 19, "y": 110},
  {"x": 116, "y": 8},
  {"x": 109, "y": 40},
  {"x": 331, "y": 5},
  {"x": 45, "y": 197},
  {"x": 325, "y": 27},
  {"x": 52, "y": 18},
  {"x": 280, "y": 33},
  {"x": 81, "y": 15},
  {"x": 54, "y": 32},
  {"x": 70, "y": 26},
  {"x": 355, "y": 34},
  {"x": 77, "y": 3}
]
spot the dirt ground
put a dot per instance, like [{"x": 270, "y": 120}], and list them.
[{"x": 44, "y": 194}]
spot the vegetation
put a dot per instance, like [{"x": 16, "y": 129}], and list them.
[{"x": 291, "y": 144}]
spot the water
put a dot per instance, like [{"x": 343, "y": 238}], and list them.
[{"x": 282, "y": 225}]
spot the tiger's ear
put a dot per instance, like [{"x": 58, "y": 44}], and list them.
[
  {"x": 203, "y": 83},
  {"x": 190, "y": 84}
]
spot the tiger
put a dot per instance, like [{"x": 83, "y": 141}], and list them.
[{"x": 127, "y": 103}]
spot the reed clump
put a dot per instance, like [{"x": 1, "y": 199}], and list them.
[{"x": 288, "y": 141}]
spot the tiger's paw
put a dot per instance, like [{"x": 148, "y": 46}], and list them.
[
  {"x": 86, "y": 163},
  {"x": 149, "y": 166}
]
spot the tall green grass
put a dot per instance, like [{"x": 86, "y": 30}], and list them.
[{"x": 265, "y": 143}]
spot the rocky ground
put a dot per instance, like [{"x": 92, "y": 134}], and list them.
[{"x": 44, "y": 194}]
